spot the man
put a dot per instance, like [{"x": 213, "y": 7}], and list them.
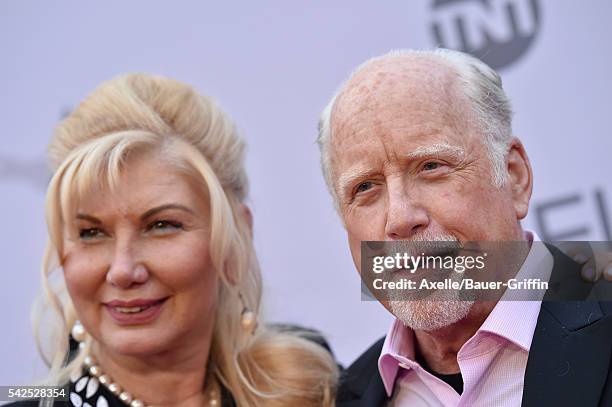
[{"x": 418, "y": 146}]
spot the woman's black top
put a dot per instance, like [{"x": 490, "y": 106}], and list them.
[{"x": 86, "y": 391}]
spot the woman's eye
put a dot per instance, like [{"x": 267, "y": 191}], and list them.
[
  {"x": 91, "y": 233},
  {"x": 164, "y": 225}
]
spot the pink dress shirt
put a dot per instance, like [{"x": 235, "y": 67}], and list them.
[{"x": 492, "y": 362}]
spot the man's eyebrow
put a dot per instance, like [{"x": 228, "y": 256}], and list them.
[
  {"x": 347, "y": 179},
  {"x": 144, "y": 216},
  {"x": 455, "y": 152}
]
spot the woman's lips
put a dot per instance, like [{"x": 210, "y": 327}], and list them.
[{"x": 134, "y": 312}]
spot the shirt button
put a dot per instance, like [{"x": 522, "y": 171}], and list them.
[{"x": 404, "y": 366}]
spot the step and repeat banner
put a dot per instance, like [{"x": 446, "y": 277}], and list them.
[{"x": 273, "y": 65}]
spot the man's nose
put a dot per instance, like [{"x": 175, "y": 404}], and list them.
[
  {"x": 126, "y": 269},
  {"x": 405, "y": 214}
]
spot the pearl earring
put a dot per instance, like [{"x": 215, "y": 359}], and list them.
[
  {"x": 78, "y": 331},
  {"x": 247, "y": 317}
]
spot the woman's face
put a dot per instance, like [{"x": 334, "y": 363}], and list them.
[{"x": 137, "y": 262}]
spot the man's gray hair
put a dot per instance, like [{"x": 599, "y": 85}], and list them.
[{"x": 481, "y": 85}]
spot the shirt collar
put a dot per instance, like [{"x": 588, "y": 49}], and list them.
[
  {"x": 399, "y": 344},
  {"x": 513, "y": 320}
]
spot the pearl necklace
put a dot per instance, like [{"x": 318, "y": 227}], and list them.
[{"x": 96, "y": 371}]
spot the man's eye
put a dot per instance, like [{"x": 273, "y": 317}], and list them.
[
  {"x": 364, "y": 186},
  {"x": 164, "y": 225},
  {"x": 91, "y": 233},
  {"x": 430, "y": 166}
]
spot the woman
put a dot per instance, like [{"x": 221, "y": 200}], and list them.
[{"x": 161, "y": 287}]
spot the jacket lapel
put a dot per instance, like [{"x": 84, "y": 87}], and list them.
[{"x": 571, "y": 349}]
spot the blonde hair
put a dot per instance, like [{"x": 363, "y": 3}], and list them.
[{"x": 138, "y": 113}]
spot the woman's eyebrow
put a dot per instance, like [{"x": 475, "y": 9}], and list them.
[
  {"x": 88, "y": 218},
  {"x": 145, "y": 215},
  {"x": 164, "y": 207}
]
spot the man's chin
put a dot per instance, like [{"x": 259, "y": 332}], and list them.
[{"x": 429, "y": 315}]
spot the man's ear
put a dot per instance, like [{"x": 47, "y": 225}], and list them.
[
  {"x": 520, "y": 177},
  {"x": 247, "y": 215}
]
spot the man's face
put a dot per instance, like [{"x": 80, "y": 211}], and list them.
[{"x": 408, "y": 162}]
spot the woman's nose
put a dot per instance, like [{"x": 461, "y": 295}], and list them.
[{"x": 125, "y": 269}]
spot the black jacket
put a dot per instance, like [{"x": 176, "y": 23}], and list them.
[{"x": 569, "y": 364}]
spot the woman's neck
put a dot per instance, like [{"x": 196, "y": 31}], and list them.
[{"x": 173, "y": 378}]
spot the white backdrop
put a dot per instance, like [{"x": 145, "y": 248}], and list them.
[{"x": 273, "y": 65}]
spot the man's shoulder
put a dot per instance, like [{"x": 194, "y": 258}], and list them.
[
  {"x": 566, "y": 283},
  {"x": 369, "y": 358},
  {"x": 361, "y": 380}
]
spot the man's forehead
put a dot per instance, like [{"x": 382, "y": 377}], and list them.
[
  {"x": 396, "y": 89},
  {"x": 414, "y": 99},
  {"x": 401, "y": 88},
  {"x": 415, "y": 77}
]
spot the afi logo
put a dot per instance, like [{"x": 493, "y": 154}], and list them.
[{"x": 498, "y": 32}]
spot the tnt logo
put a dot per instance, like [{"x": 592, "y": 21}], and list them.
[{"x": 499, "y": 32}]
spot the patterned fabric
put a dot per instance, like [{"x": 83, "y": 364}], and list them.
[{"x": 86, "y": 391}]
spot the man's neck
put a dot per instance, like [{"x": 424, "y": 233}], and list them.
[{"x": 439, "y": 348}]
